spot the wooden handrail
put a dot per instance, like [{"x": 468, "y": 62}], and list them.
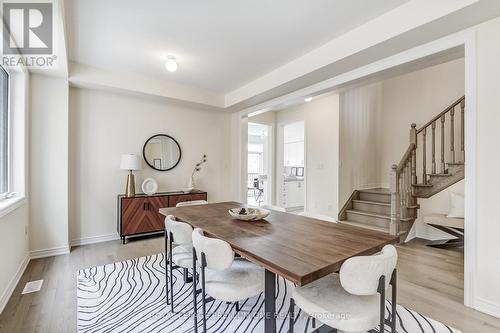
[
  {"x": 406, "y": 157},
  {"x": 348, "y": 205},
  {"x": 452, "y": 106}
]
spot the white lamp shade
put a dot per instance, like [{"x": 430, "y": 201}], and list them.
[{"x": 130, "y": 162}]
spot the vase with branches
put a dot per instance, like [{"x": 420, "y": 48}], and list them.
[{"x": 196, "y": 169}]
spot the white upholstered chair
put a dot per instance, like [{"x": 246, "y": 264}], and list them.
[
  {"x": 354, "y": 299},
  {"x": 181, "y": 256},
  {"x": 191, "y": 203},
  {"x": 275, "y": 208},
  {"x": 318, "y": 216},
  {"x": 222, "y": 277}
]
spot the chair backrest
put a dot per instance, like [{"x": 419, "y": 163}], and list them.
[
  {"x": 360, "y": 275},
  {"x": 318, "y": 216},
  {"x": 191, "y": 203},
  {"x": 275, "y": 208},
  {"x": 180, "y": 231},
  {"x": 218, "y": 253}
]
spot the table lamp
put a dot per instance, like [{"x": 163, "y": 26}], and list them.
[{"x": 130, "y": 162}]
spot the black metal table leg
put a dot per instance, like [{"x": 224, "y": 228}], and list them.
[{"x": 270, "y": 302}]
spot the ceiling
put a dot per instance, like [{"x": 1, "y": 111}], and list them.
[{"x": 220, "y": 44}]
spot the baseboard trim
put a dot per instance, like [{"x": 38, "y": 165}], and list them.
[
  {"x": 55, "y": 251},
  {"x": 4, "y": 299},
  {"x": 487, "y": 307},
  {"x": 94, "y": 239}
]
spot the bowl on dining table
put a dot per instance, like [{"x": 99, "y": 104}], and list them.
[{"x": 248, "y": 213}]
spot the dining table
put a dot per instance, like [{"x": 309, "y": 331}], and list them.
[{"x": 298, "y": 248}]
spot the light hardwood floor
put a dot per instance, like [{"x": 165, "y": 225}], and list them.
[{"x": 430, "y": 282}]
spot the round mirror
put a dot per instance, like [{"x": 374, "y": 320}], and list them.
[{"x": 162, "y": 152}]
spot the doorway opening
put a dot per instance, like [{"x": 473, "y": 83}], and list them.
[{"x": 260, "y": 164}]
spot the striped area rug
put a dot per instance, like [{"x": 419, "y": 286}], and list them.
[{"x": 129, "y": 296}]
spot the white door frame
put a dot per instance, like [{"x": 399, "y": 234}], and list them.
[{"x": 467, "y": 40}]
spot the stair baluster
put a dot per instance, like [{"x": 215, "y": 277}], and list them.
[
  {"x": 452, "y": 134},
  {"x": 403, "y": 192},
  {"x": 443, "y": 167},
  {"x": 408, "y": 187},
  {"x": 413, "y": 140},
  {"x": 462, "y": 130},
  {"x": 424, "y": 156},
  {"x": 433, "y": 147}
]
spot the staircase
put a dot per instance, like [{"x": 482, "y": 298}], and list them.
[{"x": 394, "y": 210}]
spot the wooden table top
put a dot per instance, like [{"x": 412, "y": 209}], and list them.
[{"x": 298, "y": 248}]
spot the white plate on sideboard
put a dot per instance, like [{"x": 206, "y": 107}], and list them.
[{"x": 149, "y": 186}]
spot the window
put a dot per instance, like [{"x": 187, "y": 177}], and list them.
[{"x": 4, "y": 132}]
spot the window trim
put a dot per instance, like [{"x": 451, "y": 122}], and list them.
[
  {"x": 17, "y": 125},
  {"x": 9, "y": 135}
]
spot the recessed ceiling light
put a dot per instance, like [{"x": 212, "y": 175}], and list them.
[
  {"x": 171, "y": 64},
  {"x": 308, "y": 99}
]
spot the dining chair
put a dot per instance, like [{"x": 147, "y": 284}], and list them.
[
  {"x": 223, "y": 277},
  {"x": 318, "y": 216},
  {"x": 191, "y": 203},
  {"x": 275, "y": 208},
  {"x": 181, "y": 256},
  {"x": 348, "y": 301}
]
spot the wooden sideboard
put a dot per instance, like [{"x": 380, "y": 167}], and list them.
[{"x": 140, "y": 214}]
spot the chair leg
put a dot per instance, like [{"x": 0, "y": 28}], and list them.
[
  {"x": 381, "y": 290},
  {"x": 203, "y": 293},
  {"x": 171, "y": 278},
  {"x": 237, "y": 306},
  {"x": 166, "y": 268},
  {"x": 292, "y": 315},
  {"x": 394, "y": 284},
  {"x": 187, "y": 278},
  {"x": 313, "y": 322},
  {"x": 195, "y": 305}
]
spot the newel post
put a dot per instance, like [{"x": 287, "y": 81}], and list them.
[
  {"x": 413, "y": 139},
  {"x": 395, "y": 201}
]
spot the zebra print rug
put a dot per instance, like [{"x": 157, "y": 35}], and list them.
[{"x": 129, "y": 296}]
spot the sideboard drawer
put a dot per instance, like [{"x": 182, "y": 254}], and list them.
[{"x": 175, "y": 199}]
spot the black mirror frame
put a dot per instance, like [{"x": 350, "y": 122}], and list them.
[{"x": 144, "y": 152}]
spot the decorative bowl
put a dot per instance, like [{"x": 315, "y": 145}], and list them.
[{"x": 248, "y": 214}]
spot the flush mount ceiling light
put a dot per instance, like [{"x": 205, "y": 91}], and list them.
[
  {"x": 308, "y": 99},
  {"x": 171, "y": 64}
]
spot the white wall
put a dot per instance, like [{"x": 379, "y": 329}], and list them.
[
  {"x": 105, "y": 125},
  {"x": 321, "y": 117},
  {"x": 360, "y": 139},
  {"x": 49, "y": 165},
  {"x": 486, "y": 265},
  {"x": 14, "y": 250},
  {"x": 14, "y": 223}
]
